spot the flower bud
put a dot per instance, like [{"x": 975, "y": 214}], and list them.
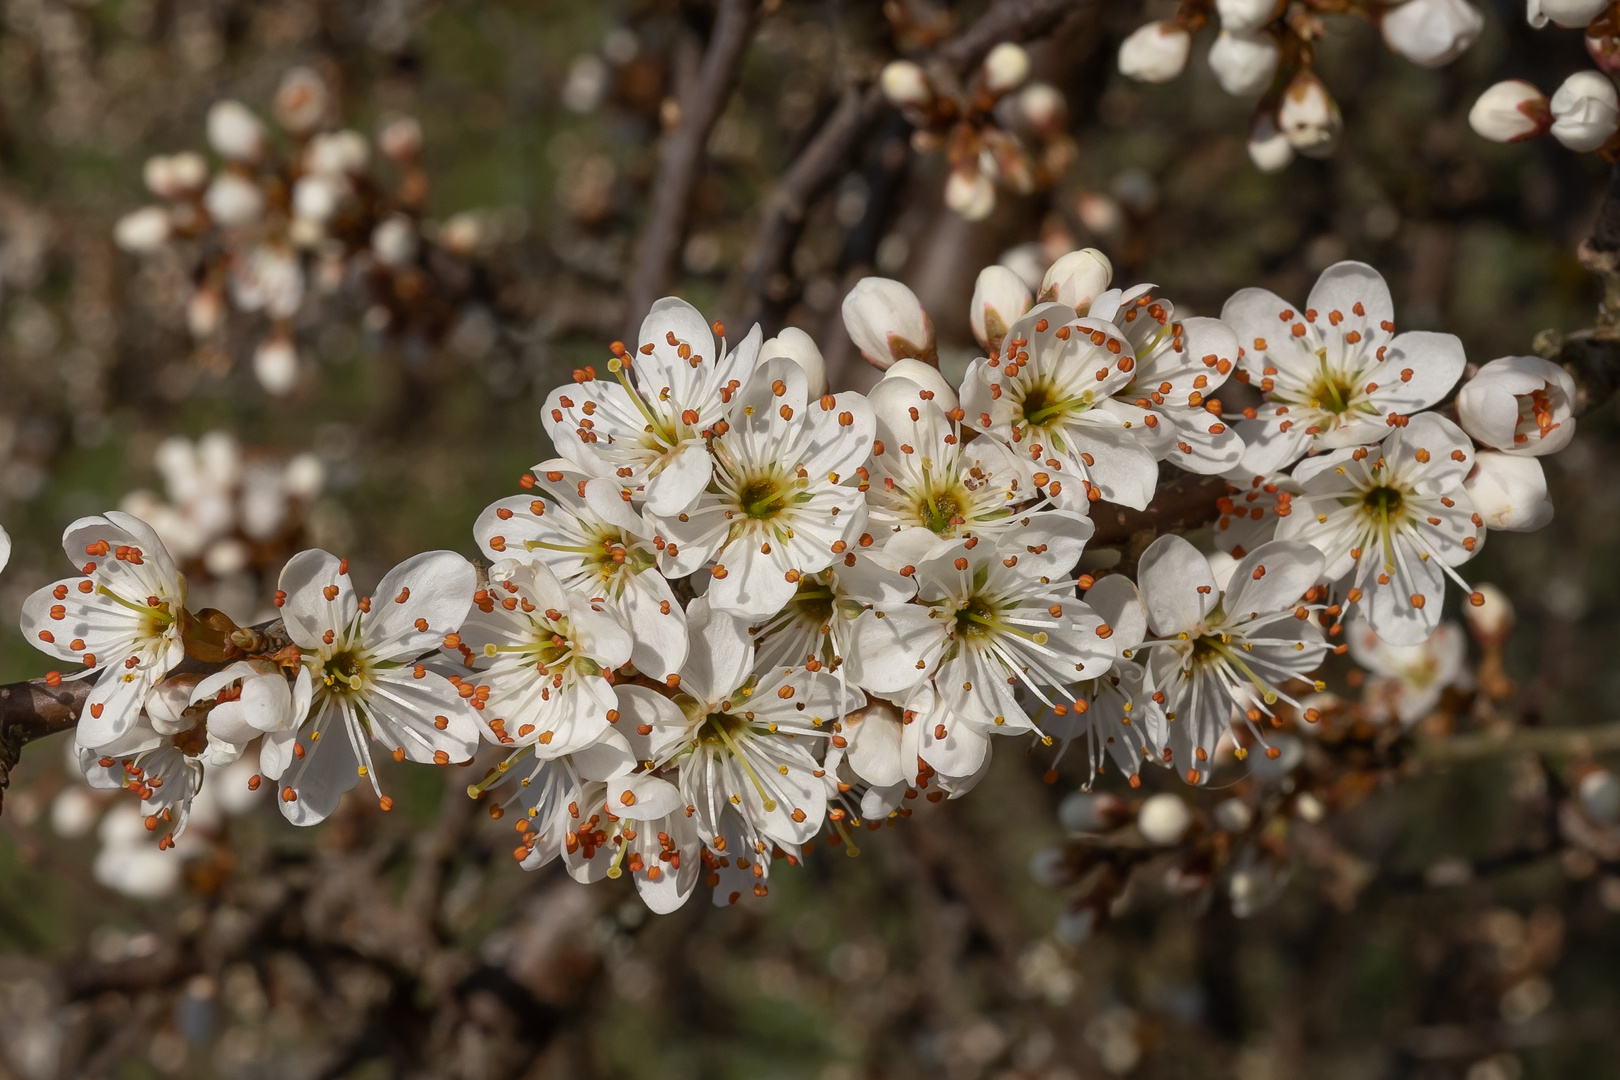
[
  {"x": 1309, "y": 117},
  {"x": 300, "y": 102},
  {"x": 905, "y": 84},
  {"x": 393, "y": 241},
  {"x": 969, "y": 192},
  {"x": 1077, "y": 279},
  {"x": 799, "y": 347},
  {"x": 1492, "y": 621},
  {"x": 1521, "y": 405},
  {"x": 1509, "y": 493},
  {"x": 999, "y": 297},
  {"x": 232, "y": 200},
  {"x": 1432, "y": 33},
  {"x": 1243, "y": 63},
  {"x": 400, "y": 138},
  {"x": 1163, "y": 819},
  {"x": 1043, "y": 108},
  {"x": 142, "y": 231},
  {"x": 887, "y": 322},
  {"x": 234, "y": 132},
  {"x": 1268, "y": 146},
  {"x": 275, "y": 365},
  {"x": 337, "y": 153},
  {"x": 1510, "y": 111},
  {"x": 1599, "y": 795},
  {"x": 1006, "y": 67},
  {"x": 1585, "y": 110},
  {"x": 1155, "y": 53},
  {"x": 315, "y": 198},
  {"x": 205, "y": 311},
  {"x": 1570, "y": 13},
  {"x": 1245, "y": 16}
]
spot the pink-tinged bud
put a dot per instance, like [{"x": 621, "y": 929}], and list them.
[
  {"x": 1006, "y": 68},
  {"x": 1155, "y": 53},
  {"x": 142, "y": 231},
  {"x": 905, "y": 84},
  {"x": 234, "y": 132},
  {"x": 275, "y": 365},
  {"x": 1521, "y": 405},
  {"x": 1570, "y": 13},
  {"x": 232, "y": 200},
  {"x": 1269, "y": 148},
  {"x": 969, "y": 192},
  {"x": 887, "y": 322},
  {"x": 999, "y": 298},
  {"x": 1509, "y": 492},
  {"x": 1432, "y": 33},
  {"x": 1510, "y": 111},
  {"x": 1243, "y": 63},
  {"x": 301, "y": 100},
  {"x": 1309, "y": 117},
  {"x": 400, "y": 138},
  {"x": 1490, "y": 621},
  {"x": 1246, "y": 16},
  {"x": 1585, "y": 110},
  {"x": 1043, "y": 108},
  {"x": 1077, "y": 279},
  {"x": 800, "y": 348}
]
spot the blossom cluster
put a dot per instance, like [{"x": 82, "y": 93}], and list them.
[
  {"x": 1000, "y": 130},
  {"x": 739, "y": 611},
  {"x": 1584, "y": 112},
  {"x": 276, "y": 221},
  {"x": 1265, "y": 49}
]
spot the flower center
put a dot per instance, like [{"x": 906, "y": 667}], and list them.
[
  {"x": 344, "y": 671},
  {"x": 940, "y": 512},
  {"x": 1384, "y": 501},
  {"x": 1332, "y": 393},
  {"x": 762, "y": 498},
  {"x": 1044, "y": 403},
  {"x": 976, "y": 618}
]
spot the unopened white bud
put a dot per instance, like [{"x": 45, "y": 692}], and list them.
[
  {"x": 234, "y": 132},
  {"x": 304, "y": 476},
  {"x": 1243, "y": 63},
  {"x": 887, "y": 322},
  {"x": 1571, "y": 13},
  {"x": 1492, "y": 620},
  {"x": 464, "y": 233},
  {"x": 1599, "y": 795},
  {"x": 1043, "y": 108},
  {"x": 969, "y": 192},
  {"x": 393, "y": 241},
  {"x": 275, "y": 365},
  {"x": 1163, "y": 819},
  {"x": 1077, "y": 279},
  {"x": 142, "y": 231},
  {"x": 204, "y": 312},
  {"x": 1006, "y": 67},
  {"x": 1432, "y": 33},
  {"x": 799, "y": 347},
  {"x": 1510, "y": 111},
  {"x": 1269, "y": 148},
  {"x": 999, "y": 298},
  {"x": 337, "y": 153},
  {"x": 233, "y": 200},
  {"x": 905, "y": 84},
  {"x": 1309, "y": 117},
  {"x": 300, "y": 103},
  {"x": 400, "y": 138},
  {"x": 1521, "y": 405},
  {"x": 315, "y": 198},
  {"x": 1585, "y": 110},
  {"x": 1508, "y": 492},
  {"x": 1246, "y": 15},
  {"x": 1233, "y": 815},
  {"x": 1155, "y": 53}
]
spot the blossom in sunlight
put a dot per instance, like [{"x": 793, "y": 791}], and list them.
[
  {"x": 367, "y": 662},
  {"x": 1334, "y": 373},
  {"x": 1519, "y": 405}
]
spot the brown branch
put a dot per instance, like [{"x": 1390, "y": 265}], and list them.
[
  {"x": 33, "y": 710},
  {"x": 681, "y": 158},
  {"x": 1183, "y": 502}
]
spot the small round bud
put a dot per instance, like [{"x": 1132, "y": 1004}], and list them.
[
  {"x": 1246, "y": 16},
  {"x": 1432, "y": 33},
  {"x": 142, "y": 231},
  {"x": 393, "y": 241},
  {"x": 275, "y": 365},
  {"x": 1077, "y": 279},
  {"x": 232, "y": 200},
  {"x": 301, "y": 100},
  {"x": 905, "y": 84},
  {"x": 1571, "y": 13},
  {"x": 1006, "y": 67},
  {"x": 315, "y": 198},
  {"x": 1510, "y": 111},
  {"x": 1043, "y": 108},
  {"x": 999, "y": 298},
  {"x": 400, "y": 138},
  {"x": 887, "y": 322},
  {"x": 1599, "y": 795},
  {"x": 234, "y": 132},
  {"x": 1585, "y": 110},
  {"x": 1163, "y": 819},
  {"x": 969, "y": 192},
  {"x": 1155, "y": 53},
  {"x": 337, "y": 153},
  {"x": 1243, "y": 63},
  {"x": 1491, "y": 619}
]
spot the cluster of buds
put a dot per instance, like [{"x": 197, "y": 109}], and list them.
[
  {"x": 278, "y": 218},
  {"x": 1584, "y": 112},
  {"x": 1266, "y": 48},
  {"x": 999, "y": 129}
]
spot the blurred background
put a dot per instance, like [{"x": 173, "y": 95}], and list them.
[{"x": 1438, "y": 922}]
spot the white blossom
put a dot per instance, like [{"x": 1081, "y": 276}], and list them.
[
  {"x": 1156, "y": 52},
  {"x": 128, "y": 863},
  {"x": 1392, "y": 521},
  {"x": 1251, "y": 511},
  {"x": 394, "y": 241},
  {"x": 647, "y": 430},
  {"x": 1511, "y": 111},
  {"x": 275, "y": 365},
  {"x": 1585, "y": 111},
  {"x": 337, "y": 153},
  {"x": 268, "y": 278},
  {"x": 142, "y": 231},
  {"x": 1520, "y": 405},
  {"x": 1408, "y": 679},
  {"x": 1431, "y": 33},
  {"x": 1509, "y": 492},
  {"x": 365, "y": 657},
  {"x": 1243, "y": 62},
  {"x": 1333, "y": 373}
]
